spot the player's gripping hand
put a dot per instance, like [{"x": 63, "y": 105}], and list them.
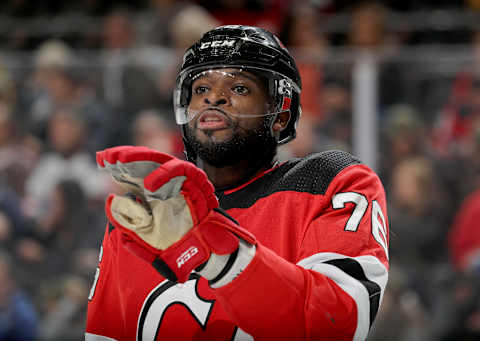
[{"x": 172, "y": 220}]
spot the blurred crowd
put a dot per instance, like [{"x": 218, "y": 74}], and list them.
[{"x": 68, "y": 92}]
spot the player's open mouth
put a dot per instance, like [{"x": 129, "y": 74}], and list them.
[{"x": 212, "y": 119}]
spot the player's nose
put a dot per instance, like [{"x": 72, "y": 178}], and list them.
[{"x": 216, "y": 97}]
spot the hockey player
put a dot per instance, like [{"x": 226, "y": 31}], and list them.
[{"x": 231, "y": 244}]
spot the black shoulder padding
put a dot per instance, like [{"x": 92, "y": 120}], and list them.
[{"x": 312, "y": 174}]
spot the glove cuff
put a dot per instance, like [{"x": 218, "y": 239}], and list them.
[
  {"x": 221, "y": 269},
  {"x": 215, "y": 264},
  {"x": 244, "y": 256}
]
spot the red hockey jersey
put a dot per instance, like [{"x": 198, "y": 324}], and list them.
[{"x": 319, "y": 272}]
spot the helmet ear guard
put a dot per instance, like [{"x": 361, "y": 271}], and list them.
[
  {"x": 287, "y": 98},
  {"x": 290, "y": 131},
  {"x": 283, "y": 92}
]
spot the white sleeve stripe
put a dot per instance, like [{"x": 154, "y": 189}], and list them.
[
  {"x": 93, "y": 337},
  {"x": 375, "y": 274},
  {"x": 374, "y": 270}
]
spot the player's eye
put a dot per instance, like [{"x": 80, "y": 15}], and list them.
[
  {"x": 201, "y": 89},
  {"x": 240, "y": 89}
]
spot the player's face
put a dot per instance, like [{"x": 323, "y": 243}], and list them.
[
  {"x": 226, "y": 105},
  {"x": 222, "y": 100}
]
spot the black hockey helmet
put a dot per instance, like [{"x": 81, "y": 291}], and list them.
[{"x": 249, "y": 48}]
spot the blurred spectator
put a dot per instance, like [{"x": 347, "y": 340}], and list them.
[
  {"x": 301, "y": 34},
  {"x": 18, "y": 317},
  {"x": 58, "y": 82},
  {"x": 63, "y": 304},
  {"x": 53, "y": 80},
  {"x": 13, "y": 142},
  {"x": 67, "y": 158},
  {"x": 403, "y": 134},
  {"x": 368, "y": 34},
  {"x": 157, "y": 21},
  {"x": 455, "y": 120},
  {"x": 368, "y": 28},
  {"x": 418, "y": 212},
  {"x": 188, "y": 25},
  {"x": 14, "y": 170},
  {"x": 454, "y": 125},
  {"x": 70, "y": 225},
  {"x": 6, "y": 229},
  {"x": 459, "y": 185},
  {"x": 126, "y": 85},
  {"x": 13, "y": 223},
  {"x": 7, "y": 85},
  {"x": 336, "y": 128},
  {"x": 64, "y": 241}
]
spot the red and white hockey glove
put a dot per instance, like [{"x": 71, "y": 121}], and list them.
[{"x": 173, "y": 220}]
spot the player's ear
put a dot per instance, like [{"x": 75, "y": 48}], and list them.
[{"x": 281, "y": 121}]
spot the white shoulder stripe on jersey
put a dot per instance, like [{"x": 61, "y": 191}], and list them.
[
  {"x": 93, "y": 337},
  {"x": 374, "y": 270}
]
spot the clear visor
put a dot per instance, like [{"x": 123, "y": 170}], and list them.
[{"x": 279, "y": 89}]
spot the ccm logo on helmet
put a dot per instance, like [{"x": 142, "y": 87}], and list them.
[
  {"x": 217, "y": 43},
  {"x": 185, "y": 257}
]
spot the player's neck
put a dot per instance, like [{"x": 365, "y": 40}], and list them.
[{"x": 232, "y": 176}]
